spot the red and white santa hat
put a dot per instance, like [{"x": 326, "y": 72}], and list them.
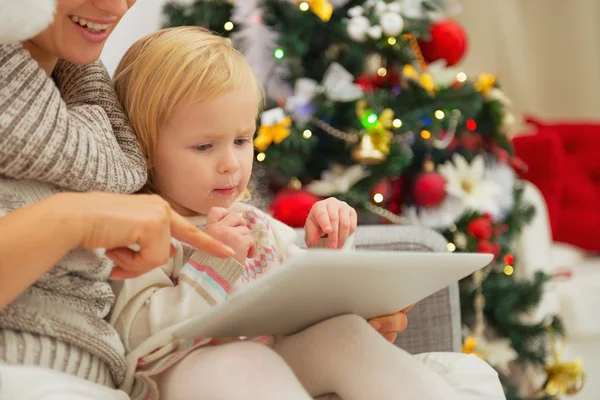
[{"x": 23, "y": 19}]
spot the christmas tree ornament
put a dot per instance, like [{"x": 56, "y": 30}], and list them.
[
  {"x": 485, "y": 83},
  {"x": 428, "y": 165},
  {"x": 376, "y": 126},
  {"x": 429, "y": 189},
  {"x": 480, "y": 228},
  {"x": 321, "y": 8},
  {"x": 424, "y": 80},
  {"x": 356, "y": 11},
  {"x": 391, "y": 23},
  {"x": 295, "y": 184},
  {"x": 470, "y": 346},
  {"x": 292, "y": 207},
  {"x": 274, "y": 128},
  {"x": 417, "y": 50},
  {"x": 366, "y": 153},
  {"x": 449, "y": 135},
  {"x": 337, "y": 85},
  {"x": 485, "y": 246},
  {"x": 358, "y": 28},
  {"x": 448, "y": 42},
  {"x": 564, "y": 377},
  {"x": 442, "y": 75},
  {"x": 375, "y": 32},
  {"x": 338, "y": 179}
]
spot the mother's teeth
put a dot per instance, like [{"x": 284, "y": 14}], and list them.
[{"x": 92, "y": 26}]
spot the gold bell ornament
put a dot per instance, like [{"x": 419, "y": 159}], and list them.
[
  {"x": 366, "y": 153},
  {"x": 564, "y": 377}
]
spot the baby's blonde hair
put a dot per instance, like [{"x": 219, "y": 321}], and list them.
[{"x": 172, "y": 67}]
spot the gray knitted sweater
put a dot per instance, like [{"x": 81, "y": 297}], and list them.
[{"x": 66, "y": 133}]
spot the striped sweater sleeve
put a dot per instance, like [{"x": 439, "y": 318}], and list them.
[
  {"x": 72, "y": 132},
  {"x": 157, "y": 301}
]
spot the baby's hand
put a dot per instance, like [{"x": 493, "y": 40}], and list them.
[
  {"x": 333, "y": 218},
  {"x": 231, "y": 229}
]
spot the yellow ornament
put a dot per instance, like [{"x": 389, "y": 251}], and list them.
[
  {"x": 470, "y": 346},
  {"x": 485, "y": 83},
  {"x": 377, "y": 127},
  {"x": 424, "y": 79},
  {"x": 276, "y": 133},
  {"x": 321, "y": 8},
  {"x": 366, "y": 153},
  {"x": 563, "y": 377}
]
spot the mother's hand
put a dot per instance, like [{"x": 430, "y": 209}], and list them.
[
  {"x": 113, "y": 222},
  {"x": 390, "y": 325}
]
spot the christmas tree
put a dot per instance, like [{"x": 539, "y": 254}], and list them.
[{"x": 365, "y": 104}]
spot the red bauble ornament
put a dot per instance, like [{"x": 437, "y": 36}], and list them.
[
  {"x": 372, "y": 82},
  {"x": 429, "y": 189},
  {"x": 448, "y": 42},
  {"x": 480, "y": 228},
  {"x": 293, "y": 206},
  {"x": 487, "y": 247}
]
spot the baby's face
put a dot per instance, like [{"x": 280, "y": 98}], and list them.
[{"x": 204, "y": 153}]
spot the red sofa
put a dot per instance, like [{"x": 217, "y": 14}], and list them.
[{"x": 564, "y": 163}]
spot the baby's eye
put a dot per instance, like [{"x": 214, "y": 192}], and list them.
[
  {"x": 203, "y": 147},
  {"x": 241, "y": 141}
]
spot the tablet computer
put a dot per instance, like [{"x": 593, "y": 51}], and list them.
[{"x": 321, "y": 284}]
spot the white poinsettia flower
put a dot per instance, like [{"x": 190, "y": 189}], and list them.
[
  {"x": 467, "y": 182},
  {"x": 440, "y": 217},
  {"x": 504, "y": 176},
  {"x": 337, "y": 180}
]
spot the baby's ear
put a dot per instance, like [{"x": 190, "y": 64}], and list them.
[{"x": 23, "y": 19}]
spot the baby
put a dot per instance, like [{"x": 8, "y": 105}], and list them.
[{"x": 194, "y": 101}]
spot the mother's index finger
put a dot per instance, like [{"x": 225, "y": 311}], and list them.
[{"x": 185, "y": 231}]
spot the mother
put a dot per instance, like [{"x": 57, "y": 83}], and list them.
[{"x": 62, "y": 129}]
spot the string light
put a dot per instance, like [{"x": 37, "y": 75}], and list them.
[
  {"x": 425, "y": 134},
  {"x": 471, "y": 125},
  {"x": 382, "y": 71},
  {"x": 307, "y": 134},
  {"x": 279, "y": 53},
  {"x": 392, "y": 41},
  {"x": 378, "y": 198},
  {"x": 439, "y": 114},
  {"x": 397, "y": 123},
  {"x": 509, "y": 270},
  {"x": 461, "y": 77},
  {"x": 304, "y": 6},
  {"x": 372, "y": 118},
  {"x": 508, "y": 259},
  {"x": 228, "y": 26},
  {"x": 427, "y": 121},
  {"x": 451, "y": 247},
  {"x": 260, "y": 157}
]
